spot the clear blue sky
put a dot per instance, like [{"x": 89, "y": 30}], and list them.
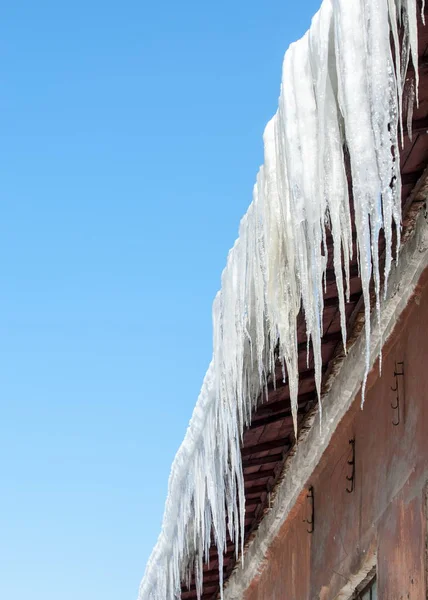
[{"x": 130, "y": 140}]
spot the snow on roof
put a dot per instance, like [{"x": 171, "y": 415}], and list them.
[{"x": 341, "y": 88}]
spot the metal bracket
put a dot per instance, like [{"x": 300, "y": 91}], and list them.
[
  {"x": 397, "y": 373},
  {"x": 351, "y": 463},
  {"x": 311, "y": 521}
]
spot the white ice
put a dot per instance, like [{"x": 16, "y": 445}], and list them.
[{"x": 340, "y": 104}]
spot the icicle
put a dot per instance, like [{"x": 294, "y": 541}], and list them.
[
  {"x": 342, "y": 87},
  {"x": 410, "y": 101}
]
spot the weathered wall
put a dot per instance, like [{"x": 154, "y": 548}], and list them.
[{"x": 384, "y": 519}]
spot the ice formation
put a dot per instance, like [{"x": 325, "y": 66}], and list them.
[{"x": 341, "y": 92}]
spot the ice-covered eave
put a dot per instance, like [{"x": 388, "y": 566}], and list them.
[
  {"x": 345, "y": 386},
  {"x": 341, "y": 86}
]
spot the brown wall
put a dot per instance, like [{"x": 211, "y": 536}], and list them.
[{"x": 385, "y": 515}]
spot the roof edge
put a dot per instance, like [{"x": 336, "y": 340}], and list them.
[{"x": 346, "y": 385}]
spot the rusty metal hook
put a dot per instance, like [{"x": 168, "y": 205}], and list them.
[
  {"x": 351, "y": 463},
  {"x": 311, "y": 521},
  {"x": 396, "y": 388}
]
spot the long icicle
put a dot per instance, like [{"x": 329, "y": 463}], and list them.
[{"x": 342, "y": 87}]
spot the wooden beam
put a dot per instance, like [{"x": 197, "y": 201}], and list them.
[
  {"x": 278, "y": 405},
  {"x": 326, "y": 339},
  {"x": 303, "y": 376},
  {"x": 212, "y": 573},
  {"x": 278, "y": 416},
  {"x": 264, "y": 460},
  {"x": 256, "y": 489},
  {"x": 330, "y": 275},
  {"x": 259, "y": 475},
  {"x": 209, "y": 585},
  {"x": 265, "y": 446},
  {"x": 353, "y": 298},
  {"x": 229, "y": 548}
]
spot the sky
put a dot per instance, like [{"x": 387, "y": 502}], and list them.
[{"x": 131, "y": 135}]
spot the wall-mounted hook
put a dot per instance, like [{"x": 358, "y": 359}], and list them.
[
  {"x": 398, "y": 372},
  {"x": 311, "y": 521},
  {"x": 351, "y": 463}
]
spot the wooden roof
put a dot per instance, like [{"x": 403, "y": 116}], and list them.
[{"x": 270, "y": 438}]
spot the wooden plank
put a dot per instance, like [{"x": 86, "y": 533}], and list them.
[
  {"x": 259, "y": 475},
  {"x": 265, "y": 446},
  {"x": 264, "y": 460},
  {"x": 256, "y": 489}
]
